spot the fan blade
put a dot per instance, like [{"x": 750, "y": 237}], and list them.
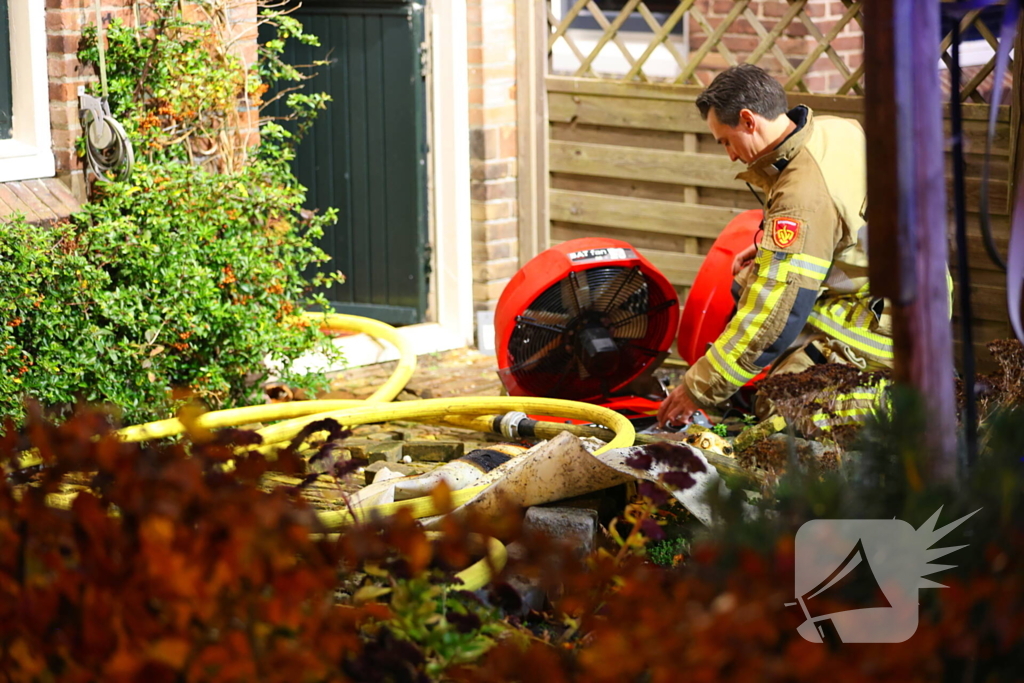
[
  {"x": 575, "y": 296},
  {"x": 548, "y": 320},
  {"x": 582, "y": 371},
  {"x": 623, "y": 325},
  {"x": 642, "y": 349},
  {"x": 614, "y": 293},
  {"x": 628, "y": 324},
  {"x": 552, "y": 390},
  {"x": 536, "y": 357}
]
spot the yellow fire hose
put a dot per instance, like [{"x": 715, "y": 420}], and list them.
[
  {"x": 296, "y": 415},
  {"x": 238, "y": 416}
]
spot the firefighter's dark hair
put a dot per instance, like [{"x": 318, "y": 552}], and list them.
[{"x": 743, "y": 87}]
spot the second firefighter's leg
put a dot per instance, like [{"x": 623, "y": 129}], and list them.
[{"x": 828, "y": 409}]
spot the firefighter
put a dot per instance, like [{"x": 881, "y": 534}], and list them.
[{"x": 803, "y": 290}]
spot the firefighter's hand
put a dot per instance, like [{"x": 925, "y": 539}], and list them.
[
  {"x": 744, "y": 258},
  {"x": 677, "y": 409}
]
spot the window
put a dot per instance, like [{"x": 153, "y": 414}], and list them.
[
  {"x": 661, "y": 9},
  {"x": 974, "y": 49},
  {"x": 635, "y": 35},
  {"x": 24, "y": 104}
]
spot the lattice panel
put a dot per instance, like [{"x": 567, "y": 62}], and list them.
[
  {"x": 973, "y": 80},
  {"x": 802, "y": 42}
]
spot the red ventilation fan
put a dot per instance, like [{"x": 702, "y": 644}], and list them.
[
  {"x": 582, "y": 321},
  {"x": 590, "y": 319},
  {"x": 710, "y": 303}
]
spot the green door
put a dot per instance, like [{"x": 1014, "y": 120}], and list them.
[{"x": 366, "y": 154}]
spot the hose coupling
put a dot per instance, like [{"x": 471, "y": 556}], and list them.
[{"x": 510, "y": 422}]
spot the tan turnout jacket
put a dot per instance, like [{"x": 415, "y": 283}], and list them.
[{"x": 810, "y": 273}]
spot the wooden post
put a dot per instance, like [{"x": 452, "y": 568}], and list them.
[
  {"x": 907, "y": 207},
  {"x": 450, "y": 197},
  {"x": 1016, "y": 141},
  {"x": 532, "y": 126},
  {"x": 1016, "y": 114}
]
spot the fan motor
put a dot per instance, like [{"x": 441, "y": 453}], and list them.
[{"x": 597, "y": 350}]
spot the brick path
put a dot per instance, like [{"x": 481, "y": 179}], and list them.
[{"x": 462, "y": 372}]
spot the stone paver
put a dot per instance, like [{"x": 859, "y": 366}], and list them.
[{"x": 574, "y": 527}]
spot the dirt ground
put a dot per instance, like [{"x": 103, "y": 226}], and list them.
[{"x": 461, "y": 372}]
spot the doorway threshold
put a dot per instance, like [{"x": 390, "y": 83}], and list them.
[{"x": 362, "y": 349}]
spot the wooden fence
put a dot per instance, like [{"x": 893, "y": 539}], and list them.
[{"x": 632, "y": 159}]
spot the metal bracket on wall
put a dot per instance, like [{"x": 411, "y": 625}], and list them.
[
  {"x": 425, "y": 59},
  {"x": 428, "y": 259}
]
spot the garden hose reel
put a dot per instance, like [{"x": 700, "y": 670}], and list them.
[{"x": 107, "y": 147}]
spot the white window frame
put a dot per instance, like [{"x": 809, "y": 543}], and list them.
[
  {"x": 973, "y": 53},
  {"x": 28, "y": 153}
]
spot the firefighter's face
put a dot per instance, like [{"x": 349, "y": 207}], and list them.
[{"x": 744, "y": 141}]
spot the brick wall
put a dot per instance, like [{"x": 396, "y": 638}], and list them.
[
  {"x": 492, "y": 149},
  {"x": 64, "y": 22},
  {"x": 795, "y": 43},
  {"x": 242, "y": 18}
]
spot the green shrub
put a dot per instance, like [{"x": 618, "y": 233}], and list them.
[
  {"x": 178, "y": 279},
  {"x": 448, "y": 627},
  {"x": 181, "y": 282},
  {"x": 668, "y": 552}
]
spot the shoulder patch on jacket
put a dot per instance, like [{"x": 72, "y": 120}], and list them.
[{"x": 784, "y": 232}]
